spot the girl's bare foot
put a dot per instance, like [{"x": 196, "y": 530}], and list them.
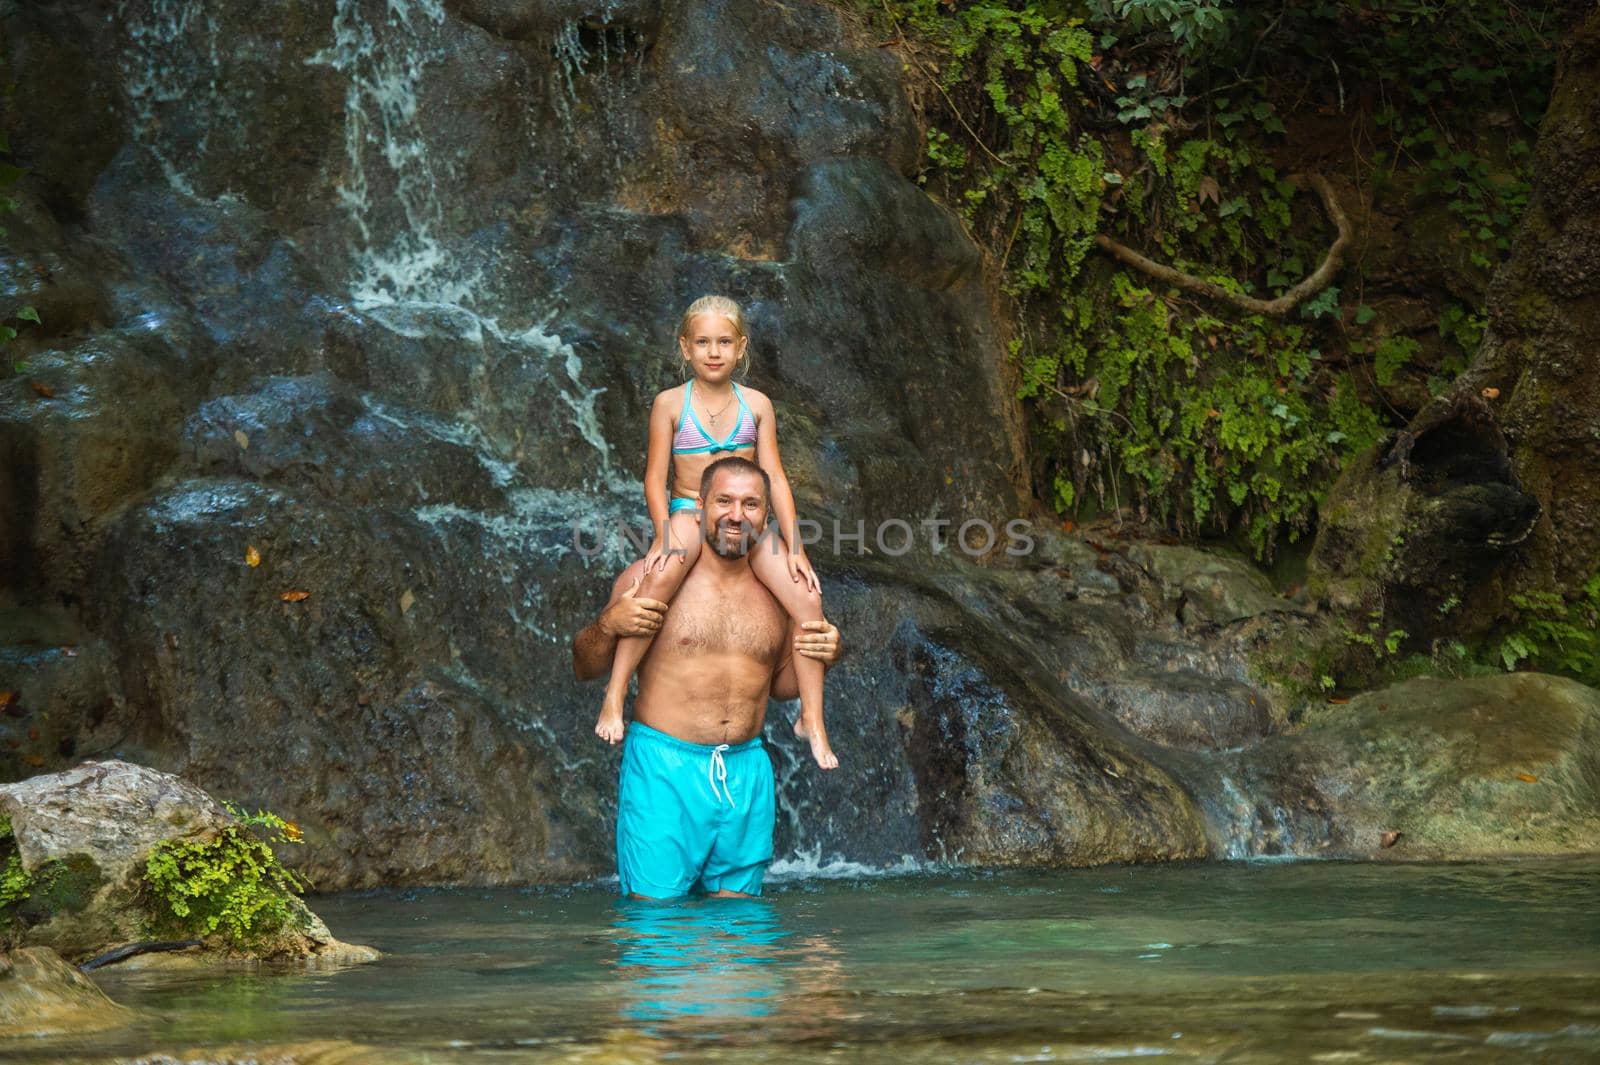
[
  {"x": 818, "y": 738},
  {"x": 610, "y": 727}
]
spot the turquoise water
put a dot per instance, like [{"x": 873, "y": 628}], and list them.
[{"x": 1308, "y": 961}]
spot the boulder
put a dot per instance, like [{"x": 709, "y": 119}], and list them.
[
  {"x": 1485, "y": 767},
  {"x": 85, "y": 834}
]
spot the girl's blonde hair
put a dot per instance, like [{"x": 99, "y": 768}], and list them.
[{"x": 719, "y": 305}]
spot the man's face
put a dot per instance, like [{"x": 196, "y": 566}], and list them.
[{"x": 734, "y": 513}]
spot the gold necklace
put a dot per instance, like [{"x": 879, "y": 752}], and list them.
[{"x": 713, "y": 417}]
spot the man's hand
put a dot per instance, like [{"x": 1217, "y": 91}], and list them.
[
  {"x": 819, "y": 640},
  {"x": 633, "y": 616}
]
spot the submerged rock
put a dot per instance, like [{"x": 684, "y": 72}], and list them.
[
  {"x": 83, "y": 837},
  {"x": 41, "y": 995}
]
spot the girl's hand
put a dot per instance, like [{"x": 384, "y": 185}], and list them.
[
  {"x": 800, "y": 569},
  {"x": 655, "y": 559}
]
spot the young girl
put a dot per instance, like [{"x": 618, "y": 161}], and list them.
[{"x": 709, "y": 417}]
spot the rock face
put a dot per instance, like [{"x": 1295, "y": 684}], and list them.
[
  {"x": 1491, "y": 489},
  {"x": 94, "y": 827},
  {"x": 1475, "y": 768},
  {"x": 41, "y": 995}
]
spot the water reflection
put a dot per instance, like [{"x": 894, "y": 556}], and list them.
[{"x": 700, "y": 964}]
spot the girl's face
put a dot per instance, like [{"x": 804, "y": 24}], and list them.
[{"x": 712, "y": 347}]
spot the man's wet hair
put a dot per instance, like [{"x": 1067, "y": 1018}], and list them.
[{"x": 735, "y": 464}]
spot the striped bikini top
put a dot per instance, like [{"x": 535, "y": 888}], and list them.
[{"x": 692, "y": 438}]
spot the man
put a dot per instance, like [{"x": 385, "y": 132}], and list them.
[{"x": 695, "y": 802}]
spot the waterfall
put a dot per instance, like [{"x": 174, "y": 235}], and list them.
[
  {"x": 158, "y": 72},
  {"x": 392, "y": 197},
  {"x": 395, "y": 210}
]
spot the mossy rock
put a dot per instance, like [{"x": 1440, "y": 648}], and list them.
[
  {"x": 1484, "y": 767},
  {"x": 83, "y": 839}
]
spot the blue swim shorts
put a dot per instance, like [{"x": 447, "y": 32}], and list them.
[{"x": 692, "y": 817}]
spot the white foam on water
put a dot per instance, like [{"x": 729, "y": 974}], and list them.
[{"x": 810, "y": 865}]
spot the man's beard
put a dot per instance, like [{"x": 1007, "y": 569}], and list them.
[{"x": 736, "y": 544}]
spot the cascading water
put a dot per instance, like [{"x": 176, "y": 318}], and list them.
[
  {"x": 391, "y": 194},
  {"x": 157, "y": 82},
  {"x": 395, "y": 210}
]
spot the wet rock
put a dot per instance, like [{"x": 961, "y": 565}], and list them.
[
  {"x": 1204, "y": 587},
  {"x": 1425, "y": 520},
  {"x": 1477, "y": 768},
  {"x": 414, "y": 688},
  {"x": 61, "y": 694},
  {"x": 1188, "y": 709},
  {"x": 862, "y": 211},
  {"x": 980, "y": 751},
  {"x": 41, "y": 995},
  {"x": 85, "y": 835},
  {"x": 316, "y": 434},
  {"x": 542, "y": 19}
]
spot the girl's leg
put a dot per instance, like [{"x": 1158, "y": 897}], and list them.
[
  {"x": 684, "y": 532},
  {"x": 802, "y": 604}
]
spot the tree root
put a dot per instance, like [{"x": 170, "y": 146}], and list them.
[{"x": 1274, "y": 308}]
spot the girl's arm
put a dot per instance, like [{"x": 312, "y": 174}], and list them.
[
  {"x": 782, "y": 497},
  {"x": 658, "y": 459}
]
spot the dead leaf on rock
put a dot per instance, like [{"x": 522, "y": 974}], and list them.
[
  {"x": 1527, "y": 778},
  {"x": 1338, "y": 700},
  {"x": 1491, "y": 393},
  {"x": 32, "y": 760},
  {"x": 252, "y": 557},
  {"x": 1389, "y": 839},
  {"x": 240, "y": 439},
  {"x": 43, "y": 389},
  {"x": 1208, "y": 189},
  {"x": 294, "y": 596},
  {"x": 7, "y": 698},
  {"x": 406, "y": 600}
]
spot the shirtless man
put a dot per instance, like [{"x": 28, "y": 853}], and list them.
[{"x": 695, "y": 805}]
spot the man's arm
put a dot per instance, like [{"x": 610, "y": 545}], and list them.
[
  {"x": 819, "y": 640},
  {"x": 625, "y": 615}
]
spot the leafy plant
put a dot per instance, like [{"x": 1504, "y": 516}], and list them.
[
  {"x": 1154, "y": 123},
  {"x": 231, "y": 885},
  {"x": 1555, "y": 633},
  {"x": 15, "y": 883}
]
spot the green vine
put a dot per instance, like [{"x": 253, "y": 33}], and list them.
[{"x": 1157, "y": 123}]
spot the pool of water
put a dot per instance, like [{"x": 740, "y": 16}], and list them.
[{"x": 1246, "y": 962}]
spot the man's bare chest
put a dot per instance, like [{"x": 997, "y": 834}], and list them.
[{"x": 706, "y": 620}]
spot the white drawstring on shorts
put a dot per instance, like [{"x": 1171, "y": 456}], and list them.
[{"x": 717, "y": 771}]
